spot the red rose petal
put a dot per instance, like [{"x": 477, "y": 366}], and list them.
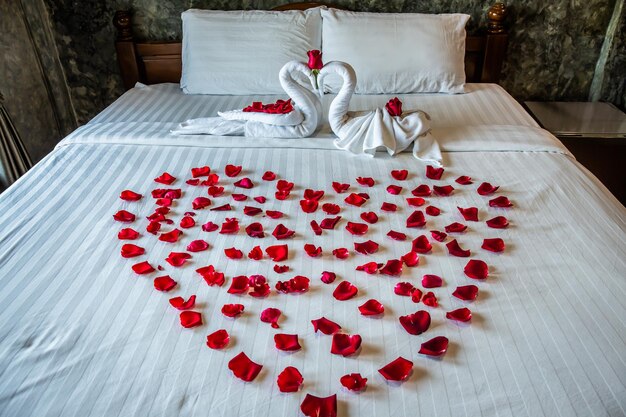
[
  {"x": 260, "y": 199},
  {"x": 230, "y": 226},
  {"x": 411, "y": 259},
  {"x": 416, "y": 295},
  {"x": 436, "y": 346},
  {"x": 252, "y": 211},
  {"x": 271, "y": 316},
  {"x": 297, "y": 284},
  {"x": 287, "y": 342},
  {"x": 200, "y": 172},
  {"x": 422, "y": 191},
  {"x": 313, "y": 406},
  {"x": 127, "y": 234},
  {"x": 443, "y": 191},
  {"x": 415, "y": 201},
  {"x": 255, "y": 230},
  {"x": 339, "y": 187},
  {"x": 455, "y": 228},
  {"x": 393, "y": 267},
  {"x": 269, "y": 176},
  {"x": 394, "y": 189},
  {"x": 256, "y": 253},
  {"x": 345, "y": 344},
  {"x": 325, "y": 326},
  {"x": 197, "y": 246},
  {"x": 416, "y": 323},
  {"x": 466, "y": 292},
  {"x": 357, "y": 228},
  {"x": 316, "y": 195},
  {"x": 259, "y": 286},
  {"x": 366, "y": 248},
  {"x": 400, "y": 174},
  {"x": 186, "y": 222},
  {"x": 316, "y": 228},
  {"x": 281, "y": 232},
  {"x": 493, "y": 245},
  {"x": 434, "y": 173},
  {"x": 502, "y": 202},
  {"x": 429, "y": 299},
  {"x": 211, "y": 276},
  {"x": 277, "y": 253},
  {"x": 464, "y": 180},
  {"x": 244, "y": 183},
  {"x": 331, "y": 208},
  {"x": 355, "y": 200},
  {"x": 164, "y": 283},
  {"x": 214, "y": 191},
  {"x": 308, "y": 206},
  {"x": 470, "y": 214},
  {"x": 171, "y": 237},
  {"x": 218, "y": 339},
  {"x": 243, "y": 368},
  {"x": 438, "y": 236},
  {"x": 371, "y": 308},
  {"x": 283, "y": 185},
  {"x": 233, "y": 253},
  {"x": 190, "y": 319},
  {"x": 200, "y": 203},
  {"x": 330, "y": 223},
  {"x": 281, "y": 195},
  {"x": 156, "y": 217},
  {"x": 131, "y": 251},
  {"x": 328, "y": 277},
  {"x": 369, "y": 217},
  {"x": 353, "y": 382},
  {"x": 232, "y": 310},
  {"x": 397, "y": 370},
  {"x": 365, "y": 181},
  {"x": 143, "y": 268},
  {"x": 289, "y": 380},
  {"x": 165, "y": 178},
  {"x": 461, "y": 314},
  {"x": 312, "y": 250},
  {"x": 128, "y": 195},
  {"x": 179, "y": 303},
  {"x": 486, "y": 189},
  {"x": 388, "y": 207},
  {"x": 431, "y": 281},
  {"x": 345, "y": 291},
  {"x": 370, "y": 267},
  {"x": 169, "y": 193},
  {"x": 210, "y": 227},
  {"x": 240, "y": 197},
  {"x": 274, "y": 214},
  {"x": 433, "y": 211},
  {"x": 476, "y": 269},
  {"x": 341, "y": 253},
  {"x": 124, "y": 216},
  {"x": 239, "y": 285},
  {"x": 212, "y": 179},
  {"x": 404, "y": 289},
  {"x": 177, "y": 258},
  {"x": 232, "y": 170},
  {"x": 456, "y": 250},
  {"x": 416, "y": 219},
  {"x": 499, "y": 222},
  {"x": 421, "y": 244}
]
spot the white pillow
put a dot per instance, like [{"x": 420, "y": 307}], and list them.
[
  {"x": 241, "y": 52},
  {"x": 397, "y": 52}
]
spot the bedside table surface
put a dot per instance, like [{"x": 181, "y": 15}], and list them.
[{"x": 581, "y": 119}]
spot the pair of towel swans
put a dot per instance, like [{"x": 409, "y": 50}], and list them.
[{"x": 357, "y": 132}]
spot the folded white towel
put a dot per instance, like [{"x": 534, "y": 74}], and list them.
[
  {"x": 302, "y": 121},
  {"x": 366, "y": 132}
]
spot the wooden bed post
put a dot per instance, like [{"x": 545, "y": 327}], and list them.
[
  {"x": 125, "y": 47},
  {"x": 495, "y": 44}
]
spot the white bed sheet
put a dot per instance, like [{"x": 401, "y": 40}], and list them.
[{"x": 81, "y": 335}]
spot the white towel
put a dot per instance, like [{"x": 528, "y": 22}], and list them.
[{"x": 365, "y": 132}]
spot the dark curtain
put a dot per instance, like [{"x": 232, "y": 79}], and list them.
[{"x": 14, "y": 159}]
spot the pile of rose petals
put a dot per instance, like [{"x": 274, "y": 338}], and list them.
[{"x": 433, "y": 222}]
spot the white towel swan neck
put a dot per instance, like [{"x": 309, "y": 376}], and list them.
[
  {"x": 301, "y": 122},
  {"x": 365, "y": 132}
]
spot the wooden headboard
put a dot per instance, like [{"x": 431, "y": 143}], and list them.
[{"x": 155, "y": 62}]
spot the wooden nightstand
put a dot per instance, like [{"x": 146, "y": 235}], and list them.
[{"x": 594, "y": 132}]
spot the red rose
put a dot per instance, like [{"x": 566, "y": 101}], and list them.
[
  {"x": 315, "y": 59},
  {"x": 394, "y": 107}
]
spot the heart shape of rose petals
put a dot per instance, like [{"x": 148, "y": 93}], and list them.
[
  {"x": 344, "y": 344},
  {"x": 243, "y": 368},
  {"x": 416, "y": 323}
]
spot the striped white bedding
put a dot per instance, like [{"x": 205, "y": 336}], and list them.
[{"x": 82, "y": 335}]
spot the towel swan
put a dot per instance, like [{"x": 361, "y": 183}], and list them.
[
  {"x": 302, "y": 121},
  {"x": 366, "y": 131}
]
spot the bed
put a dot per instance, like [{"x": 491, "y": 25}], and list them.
[{"x": 82, "y": 334}]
